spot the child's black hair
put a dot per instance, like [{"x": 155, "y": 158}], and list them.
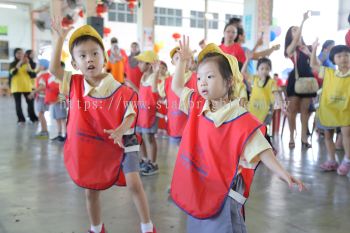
[
  {"x": 224, "y": 68},
  {"x": 327, "y": 43},
  {"x": 338, "y": 49},
  {"x": 265, "y": 60},
  {"x": 240, "y": 32},
  {"x": 83, "y": 39}
]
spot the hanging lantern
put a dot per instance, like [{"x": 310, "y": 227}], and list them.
[
  {"x": 67, "y": 21},
  {"x": 81, "y": 13},
  {"x": 131, "y": 5},
  {"x": 176, "y": 36},
  {"x": 106, "y": 31},
  {"x": 101, "y": 9}
]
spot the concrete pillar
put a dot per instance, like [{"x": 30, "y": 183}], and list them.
[
  {"x": 257, "y": 19},
  {"x": 145, "y": 24},
  {"x": 90, "y": 8}
]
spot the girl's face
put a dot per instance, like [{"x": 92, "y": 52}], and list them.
[
  {"x": 143, "y": 66},
  {"x": 211, "y": 85},
  {"x": 162, "y": 69},
  {"x": 134, "y": 48},
  {"x": 294, "y": 31},
  {"x": 230, "y": 34},
  {"x": 264, "y": 70},
  {"x": 342, "y": 59},
  {"x": 19, "y": 54}
]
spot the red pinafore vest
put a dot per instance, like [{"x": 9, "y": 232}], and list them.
[
  {"x": 208, "y": 161},
  {"x": 92, "y": 160},
  {"x": 176, "y": 118},
  {"x": 52, "y": 89},
  {"x": 147, "y": 105}
]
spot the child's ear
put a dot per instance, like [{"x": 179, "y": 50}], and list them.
[{"x": 74, "y": 64}]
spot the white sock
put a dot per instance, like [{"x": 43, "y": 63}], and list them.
[
  {"x": 346, "y": 159},
  {"x": 96, "y": 229},
  {"x": 147, "y": 227}
]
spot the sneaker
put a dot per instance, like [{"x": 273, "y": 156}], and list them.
[
  {"x": 152, "y": 169},
  {"x": 344, "y": 168},
  {"x": 153, "y": 231},
  {"x": 21, "y": 123},
  {"x": 59, "y": 138},
  {"x": 102, "y": 231},
  {"x": 143, "y": 165},
  {"x": 42, "y": 135},
  {"x": 329, "y": 166}
]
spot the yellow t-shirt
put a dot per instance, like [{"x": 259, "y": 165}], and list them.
[
  {"x": 255, "y": 145},
  {"x": 21, "y": 81}
]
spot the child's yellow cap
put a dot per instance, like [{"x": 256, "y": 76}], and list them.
[
  {"x": 148, "y": 56},
  {"x": 85, "y": 30},
  {"x": 213, "y": 48},
  {"x": 173, "y": 51}
]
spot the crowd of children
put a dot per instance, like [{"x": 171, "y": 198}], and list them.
[{"x": 220, "y": 101}]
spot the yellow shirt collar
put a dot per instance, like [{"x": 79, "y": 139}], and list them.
[
  {"x": 104, "y": 89},
  {"x": 340, "y": 75},
  {"x": 227, "y": 112}
]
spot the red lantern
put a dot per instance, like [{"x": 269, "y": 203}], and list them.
[
  {"x": 81, "y": 13},
  {"x": 106, "y": 31},
  {"x": 101, "y": 8},
  {"x": 67, "y": 21},
  {"x": 176, "y": 36},
  {"x": 131, "y": 5}
]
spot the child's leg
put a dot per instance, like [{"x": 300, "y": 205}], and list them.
[
  {"x": 293, "y": 107},
  {"x": 59, "y": 127},
  {"x": 63, "y": 126},
  {"x": 143, "y": 147},
  {"x": 134, "y": 184},
  {"x": 345, "y": 131},
  {"x": 93, "y": 206},
  {"x": 153, "y": 148},
  {"x": 42, "y": 121},
  {"x": 330, "y": 144},
  {"x": 344, "y": 168},
  {"x": 339, "y": 141}
]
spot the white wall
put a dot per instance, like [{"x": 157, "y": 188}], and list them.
[{"x": 19, "y": 27}]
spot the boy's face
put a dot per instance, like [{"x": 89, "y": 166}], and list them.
[
  {"x": 143, "y": 66},
  {"x": 88, "y": 57},
  {"x": 342, "y": 59}
]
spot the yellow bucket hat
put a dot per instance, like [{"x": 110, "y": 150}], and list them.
[
  {"x": 148, "y": 56},
  {"x": 173, "y": 51},
  {"x": 85, "y": 30},
  {"x": 237, "y": 80}
]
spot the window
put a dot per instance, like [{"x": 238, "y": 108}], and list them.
[
  {"x": 168, "y": 16},
  {"x": 120, "y": 12},
  {"x": 197, "y": 20},
  {"x": 229, "y": 16}
]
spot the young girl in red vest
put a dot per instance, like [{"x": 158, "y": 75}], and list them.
[
  {"x": 101, "y": 144},
  {"x": 147, "y": 122},
  {"x": 220, "y": 147},
  {"x": 161, "y": 105},
  {"x": 176, "y": 118}
]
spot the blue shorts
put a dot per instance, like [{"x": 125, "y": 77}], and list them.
[
  {"x": 59, "y": 111},
  {"x": 131, "y": 162},
  {"x": 40, "y": 105},
  {"x": 151, "y": 130}
]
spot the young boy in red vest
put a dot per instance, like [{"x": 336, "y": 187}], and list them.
[{"x": 101, "y": 144}]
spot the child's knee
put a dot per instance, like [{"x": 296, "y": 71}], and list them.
[
  {"x": 92, "y": 195},
  {"x": 134, "y": 184}
]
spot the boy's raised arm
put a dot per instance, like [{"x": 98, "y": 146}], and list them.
[{"x": 59, "y": 34}]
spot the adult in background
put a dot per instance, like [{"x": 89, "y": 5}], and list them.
[
  {"x": 133, "y": 72},
  {"x": 117, "y": 61},
  {"x": 21, "y": 84},
  {"x": 296, "y": 49},
  {"x": 347, "y": 36}
]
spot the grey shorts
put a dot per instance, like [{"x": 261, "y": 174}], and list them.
[
  {"x": 40, "y": 105},
  {"x": 58, "y": 110},
  {"x": 151, "y": 130},
  {"x": 229, "y": 220},
  {"x": 131, "y": 162}
]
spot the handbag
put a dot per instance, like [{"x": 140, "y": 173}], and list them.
[{"x": 304, "y": 85}]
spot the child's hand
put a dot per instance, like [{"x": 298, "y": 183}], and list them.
[
  {"x": 276, "y": 47},
  {"x": 306, "y": 16},
  {"x": 293, "y": 181},
  {"x": 57, "y": 28},
  {"x": 155, "y": 66},
  {"x": 116, "y": 135},
  {"x": 315, "y": 44},
  {"x": 31, "y": 95},
  {"x": 185, "y": 51}
]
